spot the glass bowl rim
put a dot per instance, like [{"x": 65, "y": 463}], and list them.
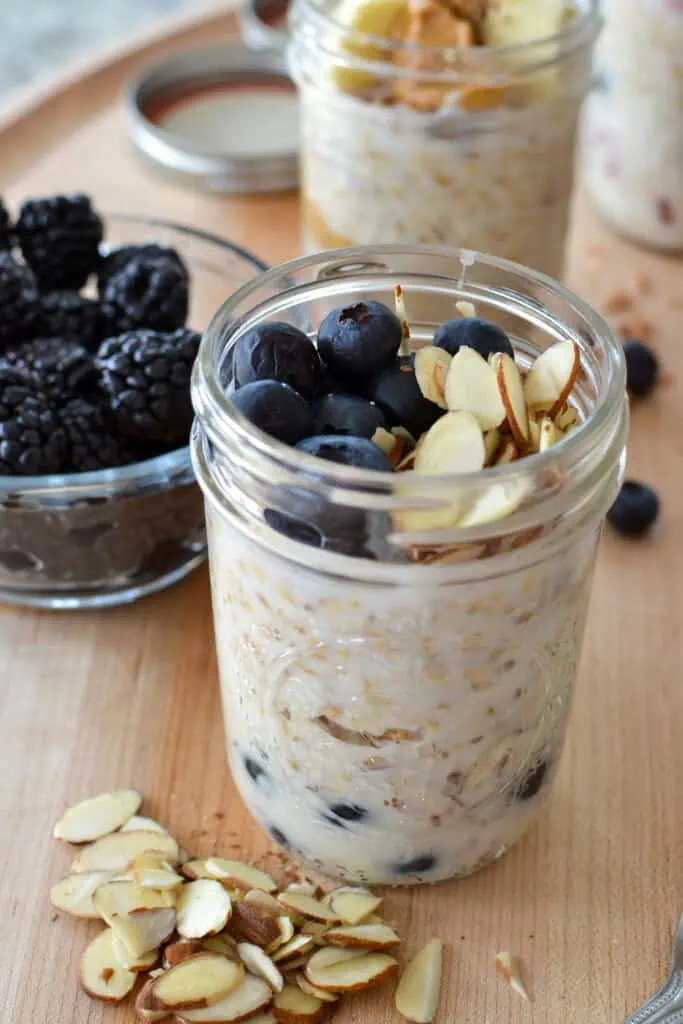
[{"x": 149, "y": 471}]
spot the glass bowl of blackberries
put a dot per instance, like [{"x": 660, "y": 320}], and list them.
[{"x": 99, "y": 327}]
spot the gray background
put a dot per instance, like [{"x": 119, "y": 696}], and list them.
[{"x": 38, "y": 36}]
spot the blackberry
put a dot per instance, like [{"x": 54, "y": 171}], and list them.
[
  {"x": 19, "y": 302},
  {"x": 116, "y": 259},
  {"x": 66, "y": 314},
  {"x": 146, "y": 376},
  {"x": 6, "y": 239},
  {"x": 32, "y": 441},
  {"x": 58, "y": 367},
  {"x": 149, "y": 293},
  {"x": 91, "y": 444},
  {"x": 60, "y": 239}
]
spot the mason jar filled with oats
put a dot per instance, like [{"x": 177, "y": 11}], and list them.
[
  {"x": 633, "y": 139},
  {"x": 403, "y": 514},
  {"x": 441, "y": 121}
]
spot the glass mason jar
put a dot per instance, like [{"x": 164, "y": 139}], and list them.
[
  {"x": 417, "y": 144},
  {"x": 395, "y": 702},
  {"x": 633, "y": 138}
]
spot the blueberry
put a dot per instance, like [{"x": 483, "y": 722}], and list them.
[
  {"x": 348, "y": 812},
  {"x": 347, "y": 451},
  {"x": 642, "y": 368},
  {"x": 360, "y": 339},
  {"x": 279, "y": 836},
  {"x": 276, "y": 408},
  {"x": 347, "y": 414},
  {"x": 532, "y": 781},
  {"x": 310, "y": 519},
  {"x": 397, "y": 393},
  {"x": 481, "y": 335},
  {"x": 416, "y": 866},
  {"x": 277, "y": 351},
  {"x": 254, "y": 768},
  {"x": 635, "y": 510}
]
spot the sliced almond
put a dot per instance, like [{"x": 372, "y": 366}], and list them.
[
  {"x": 552, "y": 377},
  {"x": 197, "y": 982},
  {"x": 242, "y": 876},
  {"x": 510, "y": 967},
  {"x": 139, "y": 916},
  {"x": 454, "y": 444},
  {"x": 152, "y": 871},
  {"x": 102, "y": 976},
  {"x": 548, "y": 434},
  {"x": 316, "y": 929},
  {"x": 249, "y": 998},
  {"x": 250, "y": 923},
  {"x": 176, "y": 952},
  {"x": 137, "y": 964},
  {"x": 222, "y": 943},
  {"x": 203, "y": 908},
  {"x": 496, "y": 502},
  {"x": 98, "y": 816},
  {"x": 194, "y": 869},
  {"x": 508, "y": 452},
  {"x": 294, "y": 1006},
  {"x": 363, "y": 936},
  {"x": 294, "y": 948},
  {"x": 265, "y": 901},
  {"x": 115, "y": 852},
  {"x": 258, "y": 963},
  {"x": 286, "y": 927},
  {"x": 292, "y": 966},
  {"x": 74, "y": 894},
  {"x": 491, "y": 443},
  {"x": 329, "y": 955},
  {"x": 534, "y": 435},
  {"x": 511, "y": 391},
  {"x": 417, "y": 993},
  {"x": 431, "y": 370},
  {"x": 567, "y": 418},
  {"x": 138, "y": 823},
  {"x": 143, "y": 1006},
  {"x": 312, "y": 990},
  {"x": 300, "y": 903},
  {"x": 352, "y": 975},
  {"x": 400, "y": 307},
  {"x": 466, "y": 309},
  {"x": 471, "y": 387},
  {"x": 307, "y": 888}
]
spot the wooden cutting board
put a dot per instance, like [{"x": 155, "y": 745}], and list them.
[{"x": 129, "y": 697}]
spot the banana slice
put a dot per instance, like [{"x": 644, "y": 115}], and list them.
[{"x": 372, "y": 18}]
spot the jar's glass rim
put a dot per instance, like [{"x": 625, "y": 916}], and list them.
[
  {"x": 212, "y": 403},
  {"x": 582, "y": 29}
]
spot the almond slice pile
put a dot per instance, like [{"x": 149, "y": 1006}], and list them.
[
  {"x": 217, "y": 940},
  {"x": 495, "y": 414}
]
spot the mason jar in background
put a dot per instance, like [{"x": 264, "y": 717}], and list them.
[
  {"x": 633, "y": 137},
  {"x": 466, "y": 145},
  {"x": 395, "y": 702}
]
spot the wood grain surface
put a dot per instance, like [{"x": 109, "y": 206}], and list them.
[{"x": 129, "y": 697}]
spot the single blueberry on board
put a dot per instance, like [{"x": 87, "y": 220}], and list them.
[
  {"x": 642, "y": 368},
  {"x": 359, "y": 339},
  {"x": 636, "y": 509},
  {"x": 473, "y": 332},
  {"x": 275, "y": 408}
]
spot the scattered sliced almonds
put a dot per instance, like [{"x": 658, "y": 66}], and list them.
[
  {"x": 115, "y": 852},
  {"x": 509, "y": 966},
  {"x": 353, "y": 904},
  {"x": 417, "y": 993},
  {"x": 308, "y": 906},
  {"x": 298, "y": 945},
  {"x": 294, "y": 1006},
  {"x": 195, "y": 983},
  {"x": 258, "y": 963},
  {"x": 102, "y": 976},
  {"x": 138, "y": 823},
  {"x": 242, "y": 876},
  {"x": 203, "y": 908},
  {"x": 306, "y": 986},
  {"x": 74, "y": 894},
  {"x": 97, "y": 816},
  {"x": 363, "y": 936},
  {"x": 351, "y": 975},
  {"x": 249, "y": 998}
]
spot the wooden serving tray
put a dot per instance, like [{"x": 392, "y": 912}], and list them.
[{"x": 129, "y": 697}]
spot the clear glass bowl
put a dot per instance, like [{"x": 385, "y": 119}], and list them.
[{"x": 89, "y": 540}]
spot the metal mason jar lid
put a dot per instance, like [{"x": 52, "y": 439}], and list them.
[{"x": 222, "y": 118}]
